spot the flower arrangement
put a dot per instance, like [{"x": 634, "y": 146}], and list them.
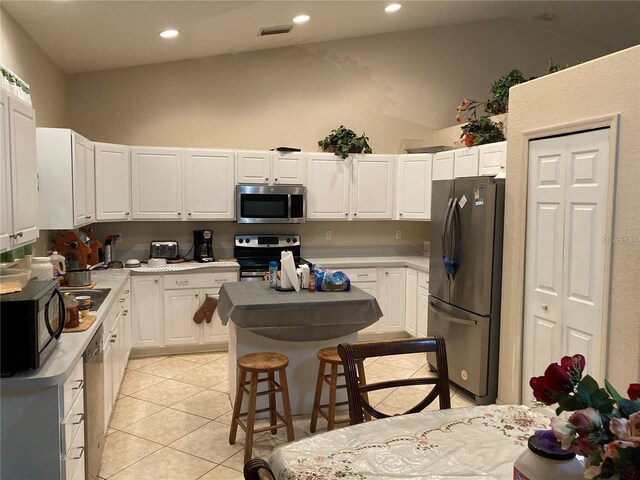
[
  {"x": 343, "y": 141},
  {"x": 604, "y": 428}
]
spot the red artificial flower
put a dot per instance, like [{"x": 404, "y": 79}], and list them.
[
  {"x": 577, "y": 362},
  {"x": 465, "y": 102},
  {"x": 458, "y": 119},
  {"x": 634, "y": 391},
  {"x": 554, "y": 381}
]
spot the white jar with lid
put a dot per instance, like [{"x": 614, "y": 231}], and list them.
[
  {"x": 537, "y": 464},
  {"x": 41, "y": 268}
]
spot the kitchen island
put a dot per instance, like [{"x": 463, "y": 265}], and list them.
[{"x": 296, "y": 324}]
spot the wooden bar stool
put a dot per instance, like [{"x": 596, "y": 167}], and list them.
[
  {"x": 330, "y": 356},
  {"x": 256, "y": 364}
]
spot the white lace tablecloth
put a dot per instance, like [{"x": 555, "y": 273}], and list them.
[{"x": 462, "y": 443}]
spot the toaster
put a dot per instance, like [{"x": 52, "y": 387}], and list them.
[{"x": 164, "y": 249}]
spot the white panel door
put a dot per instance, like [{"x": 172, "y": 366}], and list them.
[
  {"x": 465, "y": 163},
  {"x": 113, "y": 187},
  {"x": 90, "y": 182},
  {"x": 209, "y": 184},
  {"x": 443, "y": 165},
  {"x": 413, "y": 187},
  {"x": 179, "y": 307},
  {"x": 254, "y": 167},
  {"x": 423, "y": 312},
  {"x": 6, "y": 223},
  {"x": 146, "y": 305},
  {"x": 79, "y": 167},
  {"x": 156, "y": 183},
  {"x": 328, "y": 187},
  {"x": 411, "y": 302},
  {"x": 289, "y": 168},
  {"x": 393, "y": 290},
  {"x": 566, "y": 219},
  {"x": 372, "y": 289},
  {"x": 24, "y": 180},
  {"x": 372, "y": 187}
]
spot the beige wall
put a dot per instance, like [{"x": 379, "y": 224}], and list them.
[
  {"x": 48, "y": 83},
  {"x": 396, "y": 87},
  {"x": 575, "y": 96}
]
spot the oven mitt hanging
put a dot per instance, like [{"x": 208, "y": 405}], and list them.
[{"x": 205, "y": 312}]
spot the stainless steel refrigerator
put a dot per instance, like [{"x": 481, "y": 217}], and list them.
[{"x": 465, "y": 275}]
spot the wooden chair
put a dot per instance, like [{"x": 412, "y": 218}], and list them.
[
  {"x": 257, "y": 469},
  {"x": 351, "y": 354}
]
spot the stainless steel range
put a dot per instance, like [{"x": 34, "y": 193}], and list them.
[{"x": 254, "y": 252}]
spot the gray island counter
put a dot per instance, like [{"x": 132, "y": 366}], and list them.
[{"x": 296, "y": 324}]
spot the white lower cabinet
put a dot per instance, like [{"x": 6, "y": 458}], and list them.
[
  {"x": 391, "y": 298},
  {"x": 366, "y": 279},
  {"x": 422, "y": 318},
  {"x": 146, "y": 306},
  {"x": 411, "y": 302}
]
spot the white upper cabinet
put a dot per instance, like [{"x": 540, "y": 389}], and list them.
[
  {"x": 271, "y": 168},
  {"x": 359, "y": 187},
  {"x": 443, "y": 165},
  {"x": 493, "y": 158},
  {"x": 254, "y": 167},
  {"x": 289, "y": 168},
  {"x": 209, "y": 184},
  {"x": 465, "y": 162},
  {"x": 113, "y": 187},
  {"x": 413, "y": 187},
  {"x": 372, "y": 187},
  {"x": 66, "y": 171},
  {"x": 156, "y": 183},
  {"x": 19, "y": 195},
  {"x": 328, "y": 187}
]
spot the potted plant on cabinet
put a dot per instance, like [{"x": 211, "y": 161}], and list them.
[{"x": 343, "y": 141}]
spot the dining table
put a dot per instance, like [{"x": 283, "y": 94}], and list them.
[{"x": 461, "y": 443}]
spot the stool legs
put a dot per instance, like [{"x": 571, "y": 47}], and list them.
[
  {"x": 272, "y": 403},
  {"x": 251, "y": 418},
  {"x": 236, "y": 407},
  {"x": 332, "y": 397},
  {"x": 317, "y": 397},
  {"x": 282, "y": 375}
]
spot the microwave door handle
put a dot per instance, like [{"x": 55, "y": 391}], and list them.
[
  {"x": 61, "y": 312},
  {"x": 289, "y": 206}
]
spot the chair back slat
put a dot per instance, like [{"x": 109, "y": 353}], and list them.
[{"x": 352, "y": 353}]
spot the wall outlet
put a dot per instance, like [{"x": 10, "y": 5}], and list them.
[
  {"x": 398, "y": 234},
  {"x": 327, "y": 235}
]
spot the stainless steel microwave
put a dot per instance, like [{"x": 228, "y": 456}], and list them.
[{"x": 270, "y": 204}]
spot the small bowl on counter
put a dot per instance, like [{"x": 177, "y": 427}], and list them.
[
  {"x": 13, "y": 279},
  {"x": 80, "y": 277},
  {"x": 157, "y": 262}
]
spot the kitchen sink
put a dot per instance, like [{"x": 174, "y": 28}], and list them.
[{"x": 97, "y": 296}]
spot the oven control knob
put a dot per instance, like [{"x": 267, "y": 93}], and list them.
[
  {"x": 240, "y": 240},
  {"x": 246, "y": 240},
  {"x": 294, "y": 240},
  {"x": 288, "y": 240}
]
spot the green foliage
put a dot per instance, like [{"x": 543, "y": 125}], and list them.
[
  {"x": 14, "y": 80},
  {"x": 345, "y": 141},
  {"x": 484, "y": 131},
  {"x": 500, "y": 91}
]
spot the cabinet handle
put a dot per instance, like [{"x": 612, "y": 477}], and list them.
[
  {"x": 363, "y": 275},
  {"x": 182, "y": 282},
  {"x": 79, "y": 421},
  {"x": 155, "y": 279},
  {"x": 195, "y": 295},
  {"x": 125, "y": 312},
  {"x": 122, "y": 300},
  {"x": 400, "y": 214},
  {"x": 346, "y": 214},
  {"x": 87, "y": 217},
  {"x": 221, "y": 280},
  {"x": 81, "y": 453},
  {"x": 20, "y": 233},
  {"x": 179, "y": 213},
  {"x": 126, "y": 213},
  {"x": 545, "y": 307},
  {"x": 275, "y": 179},
  {"x": 266, "y": 179},
  {"x": 126, "y": 292},
  {"x": 355, "y": 214},
  {"x": 13, "y": 236},
  {"x": 189, "y": 213},
  {"x": 112, "y": 339},
  {"x": 80, "y": 384}
]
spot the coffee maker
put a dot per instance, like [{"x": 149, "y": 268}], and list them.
[{"x": 203, "y": 246}]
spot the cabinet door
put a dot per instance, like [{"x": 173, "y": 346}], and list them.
[
  {"x": 372, "y": 187},
  {"x": 411, "y": 301},
  {"x": 116, "y": 358},
  {"x": 113, "y": 185},
  {"x": 466, "y": 162},
  {"x": 443, "y": 166},
  {"x": 423, "y": 312},
  {"x": 289, "y": 168},
  {"x": 6, "y": 215},
  {"x": 209, "y": 184},
  {"x": 109, "y": 398},
  {"x": 413, "y": 187},
  {"x": 24, "y": 180},
  {"x": 146, "y": 305},
  {"x": 393, "y": 298},
  {"x": 214, "y": 331},
  {"x": 90, "y": 182},
  {"x": 156, "y": 183},
  {"x": 179, "y": 307},
  {"x": 493, "y": 157},
  {"x": 79, "y": 168},
  {"x": 254, "y": 167},
  {"x": 328, "y": 186},
  {"x": 372, "y": 289}
]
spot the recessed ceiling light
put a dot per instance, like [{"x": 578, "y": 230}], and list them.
[
  {"x": 301, "y": 19},
  {"x": 392, "y": 7},
  {"x": 171, "y": 33}
]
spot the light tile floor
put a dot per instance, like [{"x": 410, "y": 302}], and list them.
[{"x": 171, "y": 419}]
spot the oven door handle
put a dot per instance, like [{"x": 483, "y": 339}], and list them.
[{"x": 252, "y": 274}]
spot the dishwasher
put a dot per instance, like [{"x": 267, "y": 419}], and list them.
[{"x": 94, "y": 405}]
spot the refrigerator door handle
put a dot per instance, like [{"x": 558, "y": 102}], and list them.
[
  {"x": 454, "y": 228},
  {"x": 452, "y": 319},
  {"x": 444, "y": 227},
  {"x": 448, "y": 252}
]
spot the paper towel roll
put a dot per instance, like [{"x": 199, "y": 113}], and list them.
[
  {"x": 305, "y": 275},
  {"x": 288, "y": 277}
]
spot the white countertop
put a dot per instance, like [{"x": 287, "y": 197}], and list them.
[
  {"x": 418, "y": 262},
  {"x": 71, "y": 345},
  {"x": 181, "y": 267}
]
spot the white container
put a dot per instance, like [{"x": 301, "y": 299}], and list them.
[
  {"x": 536, "y": 464},
  {"x": 58, "y": 262},
  {"x": 41, "y": 268}
]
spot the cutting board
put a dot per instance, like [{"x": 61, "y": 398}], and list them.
[{"x": 88, "y": 321}]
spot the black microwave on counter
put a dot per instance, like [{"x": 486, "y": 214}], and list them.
[
  {"x": 270, "y": 203},
  {"x": 31, "y": 322}
]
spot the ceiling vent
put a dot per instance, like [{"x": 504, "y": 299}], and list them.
[{"x": 280, "y": 29}]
